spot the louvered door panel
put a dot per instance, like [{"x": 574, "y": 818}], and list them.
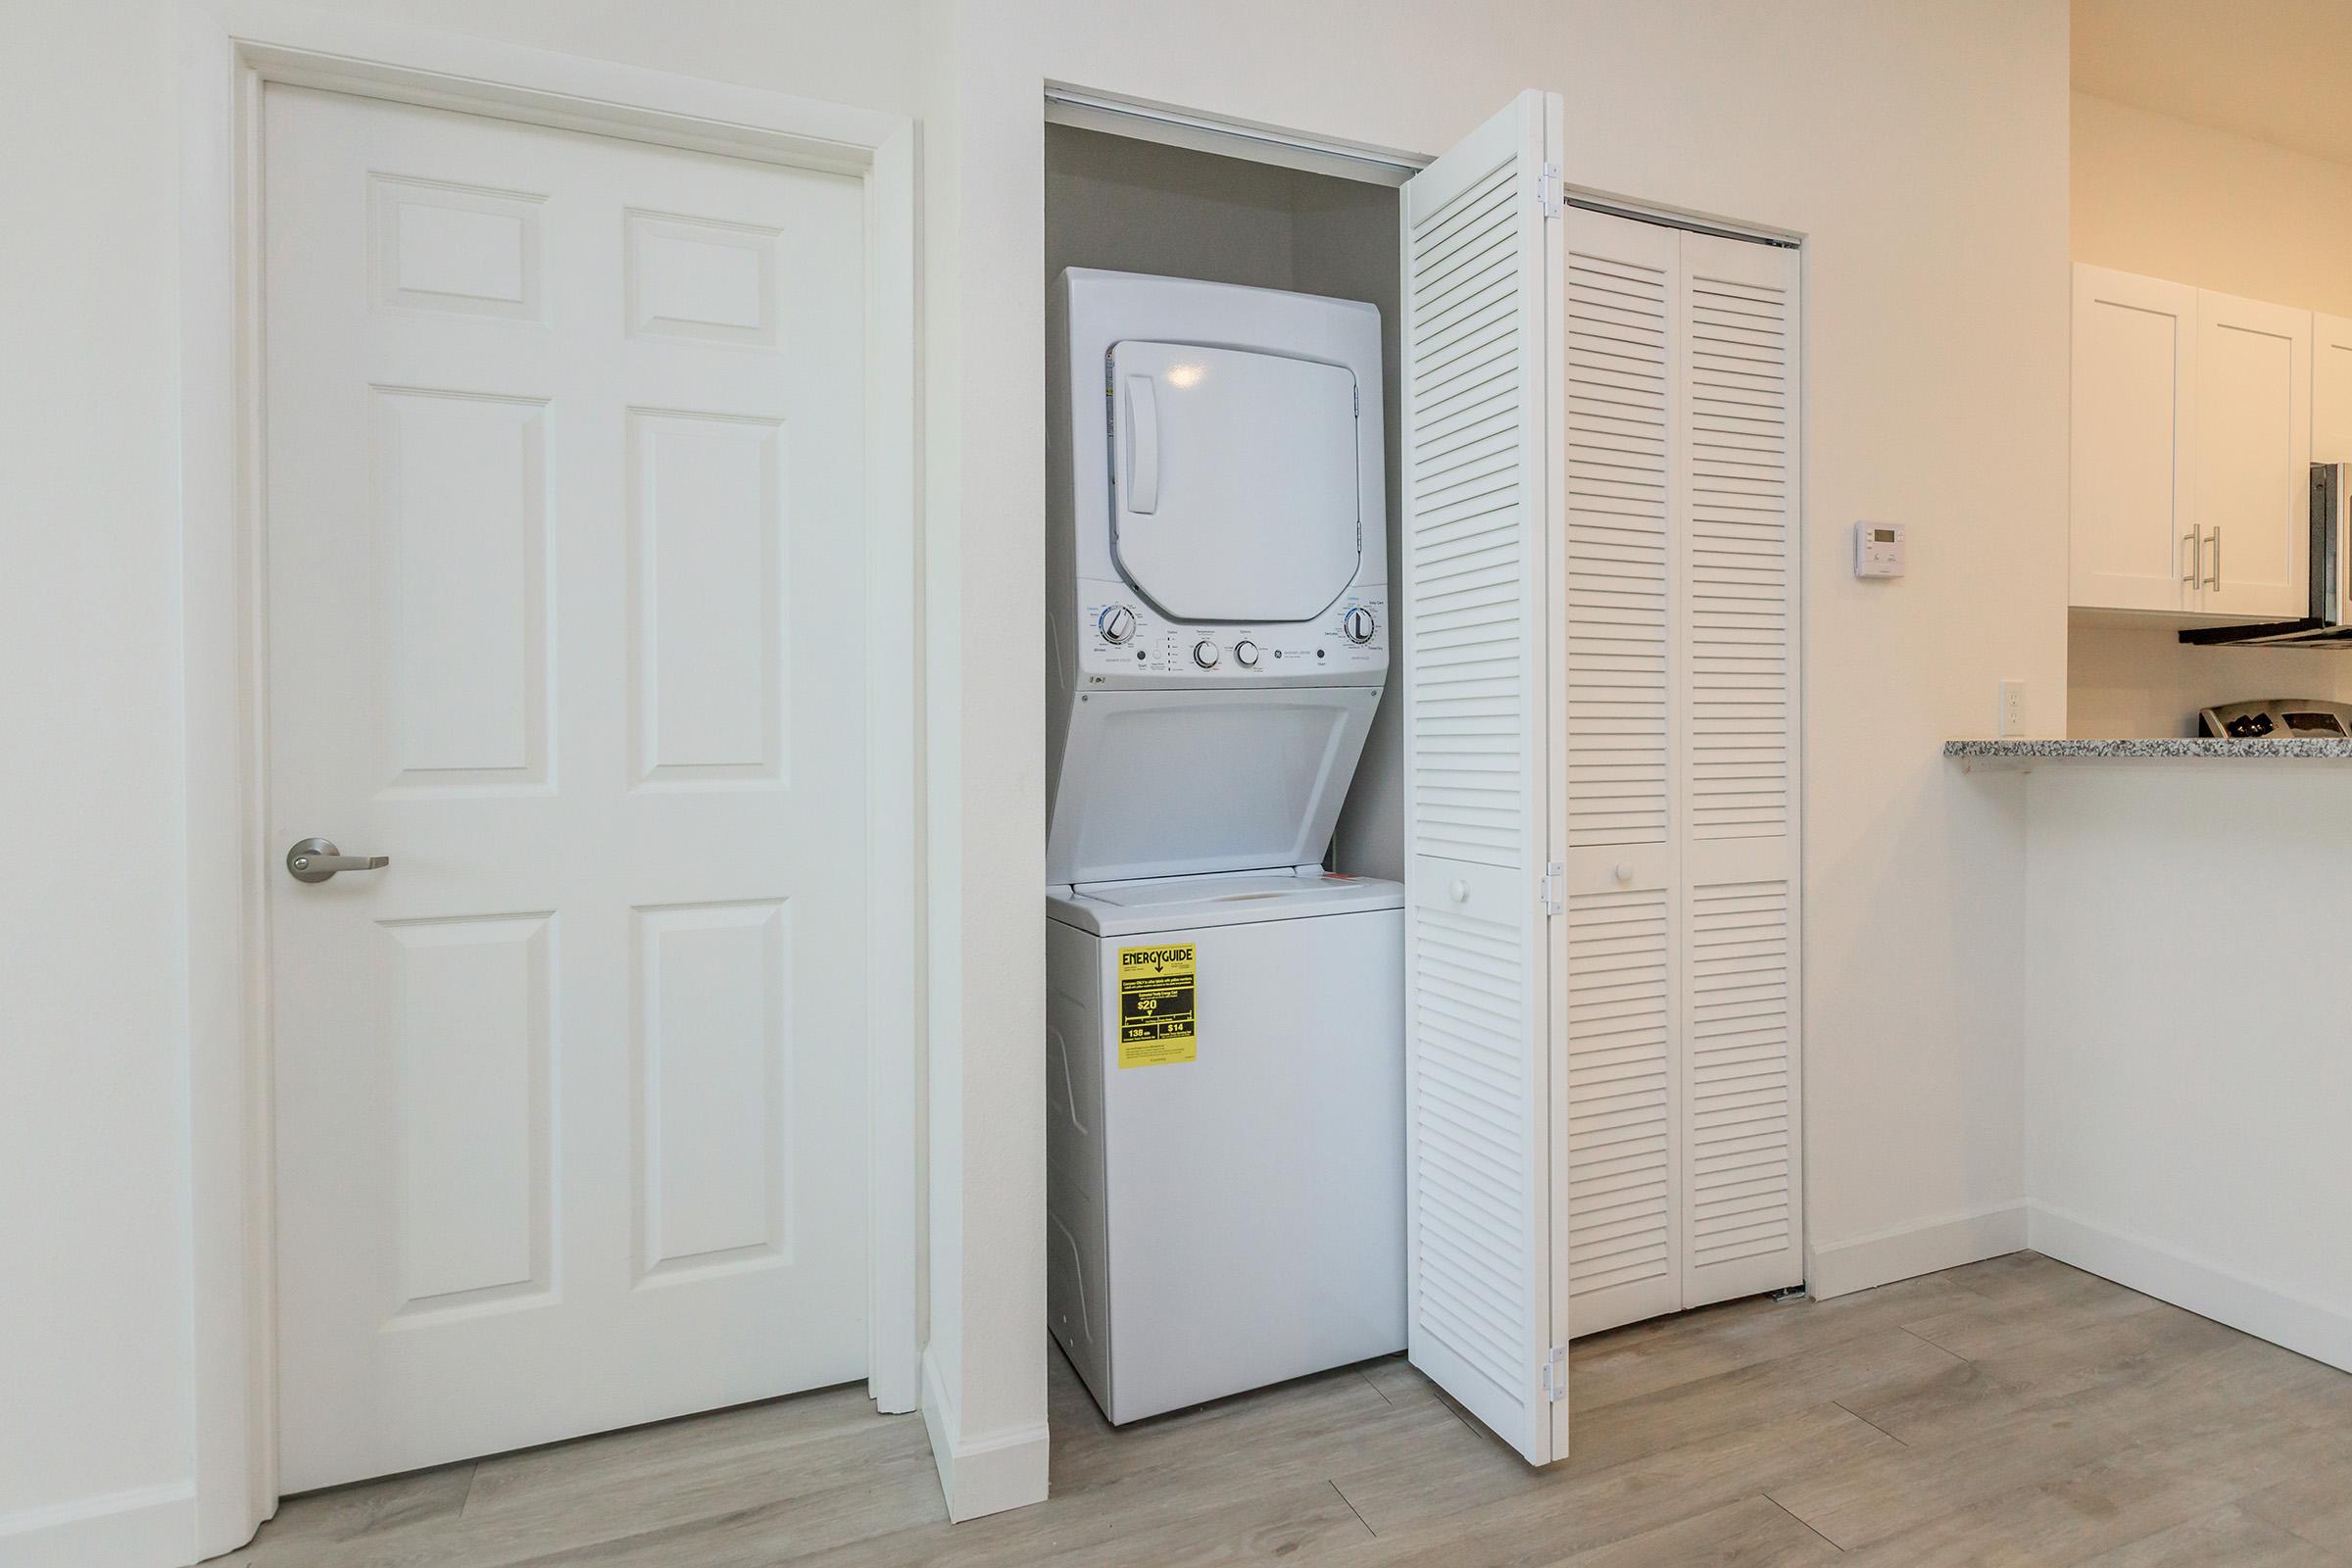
[
  {"x": 1479, "y": 434},
  {"x": 1619, "y": 307},
  {"x": 1739, "y": 1224},
  {"x": 1621, "y": 980},
  {"x": 1738, "y": 749},
  {"x": 1466, "y": 528},
  {"x": 1624, "y": 1204},
  {"x": 1737, "y": 301}
]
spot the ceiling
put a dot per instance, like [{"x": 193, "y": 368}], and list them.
[{"x": 2273, "y": 70}]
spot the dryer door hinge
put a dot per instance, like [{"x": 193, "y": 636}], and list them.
[
  {"x": 1555, "y": 1374},
  {"x": 1547, "y": 190},
  {"x": 1548, "y": 888}
]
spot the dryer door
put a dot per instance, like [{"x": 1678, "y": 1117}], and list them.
[{"x": 1234, "y": 480}]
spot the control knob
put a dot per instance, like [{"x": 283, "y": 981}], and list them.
[
  {"x": 1358, "y": 624},
  {"x": 1205, "y": 654},
  {"x": 1117, "y": 624},
  {"x": 1245, "y": 653}
]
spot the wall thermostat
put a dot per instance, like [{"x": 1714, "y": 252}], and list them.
[{"x": 1877, "y": 550}]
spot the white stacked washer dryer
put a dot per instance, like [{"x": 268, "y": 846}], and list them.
[{"x": 1225, "y": 1032}]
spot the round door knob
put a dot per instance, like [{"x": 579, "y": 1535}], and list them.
[
  {"x": 1245, "y": 653},
  {"x": 1460, "y": 891},
  {"x": 1358, "y": 624},
  {"x": 1117, "y": 624},
  {"x": 1625, "y": 870},
  {"x": 1205, "y": 654}
]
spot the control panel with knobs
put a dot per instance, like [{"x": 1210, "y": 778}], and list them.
[{"x": 1125, "y": 642}]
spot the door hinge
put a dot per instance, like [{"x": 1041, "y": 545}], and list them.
[
  {"x": 1547, "y": 190},
  {"x": 1555, "y": 1374},
  {"x": 1548, "y": 888}
]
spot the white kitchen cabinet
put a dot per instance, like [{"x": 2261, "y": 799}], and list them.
[
  {"x": 2330, "y": 389},
  {"x": 2193, "y": 424},
  {"x": 2253, "y": 458},
  {"x": 2134, "y": 543}
]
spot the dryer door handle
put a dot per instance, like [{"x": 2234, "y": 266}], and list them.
[{"x": 1143, "y": 445}]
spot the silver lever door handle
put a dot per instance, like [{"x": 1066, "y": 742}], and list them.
[{"x": 317, "y": 859}]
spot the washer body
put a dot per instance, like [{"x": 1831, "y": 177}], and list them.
[{"x": 1236, "y": 1219}]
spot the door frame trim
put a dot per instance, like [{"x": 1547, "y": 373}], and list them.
[{"x": 227, "y": 50}]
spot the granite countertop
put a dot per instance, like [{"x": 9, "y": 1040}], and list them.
[{"x": 2310, "y": 747}]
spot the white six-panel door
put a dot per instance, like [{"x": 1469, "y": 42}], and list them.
[
  {"x": 1684, "y": 1182},
  {"x": 564, "y": 449},
  {"x": 1482, "y": 461}
]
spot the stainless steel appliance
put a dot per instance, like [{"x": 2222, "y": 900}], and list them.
[
  {"x": 2277, "y": 718},
  {"x": 2328, "y": 621}
]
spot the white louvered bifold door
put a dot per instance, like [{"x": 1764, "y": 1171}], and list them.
[
  {"x": 1482, "y": 298},
  {"x": 1624, "y": 1162},
  {"x": 1738, "y": 770},
  {"x": 1680, "y": 779}
]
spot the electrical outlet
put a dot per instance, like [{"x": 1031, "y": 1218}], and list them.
[{"x": 2009, "y": 719}]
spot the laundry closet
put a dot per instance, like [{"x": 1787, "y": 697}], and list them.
[{"x": 1527, "y": 771}]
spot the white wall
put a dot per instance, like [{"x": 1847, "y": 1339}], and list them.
[
  {"x": 1922, "y": 149},
  {"x": 97, "y": 1451},
  {"x": 94, "y": 1312},
  {"x": 2188, "y": 1091},
  {"x": 2165, "y": 198}
]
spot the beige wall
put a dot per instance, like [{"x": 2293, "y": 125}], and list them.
[
  {"x": 2139, "y": 681},
  {"x": 2168, "y": 199},
  {"x": 2161, "y": 196}
]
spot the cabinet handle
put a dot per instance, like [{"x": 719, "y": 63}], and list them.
[
  {"x": 2214, "y": 582},
  {"x": 2192, "y": 551}
]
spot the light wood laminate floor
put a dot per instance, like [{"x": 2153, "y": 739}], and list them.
[{"x": 2013, "y": 1413}]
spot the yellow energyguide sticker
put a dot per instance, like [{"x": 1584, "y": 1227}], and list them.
[{"x": 1158, "y": 994}]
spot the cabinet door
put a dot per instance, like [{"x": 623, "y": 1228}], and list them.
[
  {"x": 2253, "y": 447},
  {"x": 2132, "y": 535},
  {"x": 2330, "y": 389}
]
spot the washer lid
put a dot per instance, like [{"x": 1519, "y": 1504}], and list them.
[
  {"x": 1234, "y": 480},
  {"x": 1186, "y": 903}
]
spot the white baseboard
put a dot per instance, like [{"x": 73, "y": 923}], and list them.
[
  {"x": 1840, "y": 1268},
  {"x": 149, "y": 1526},
  {"x": 2307, "y": 1327},
  {"x": 983, "y": 1474}
]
